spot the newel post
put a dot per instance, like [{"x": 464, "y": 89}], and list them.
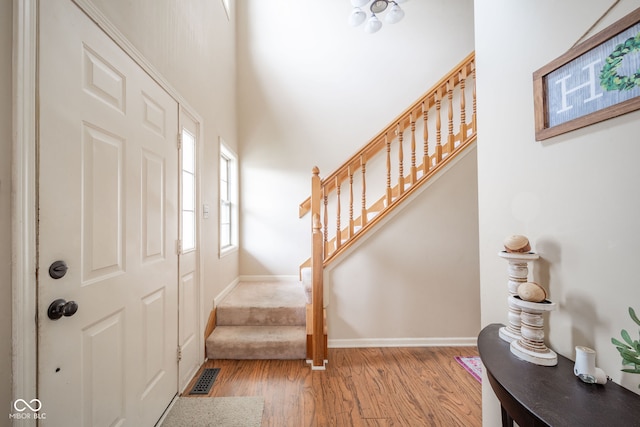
[{"x": 317, "y": 260}]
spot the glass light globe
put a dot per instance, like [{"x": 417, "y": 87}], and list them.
[
  {"x": 395, "y": 14},
  {"x": 373, "y": 25},
  {"x": 359, "y": 3},
  {"x": 357, "y": 17},
  {"x": 379, "y": 6}
]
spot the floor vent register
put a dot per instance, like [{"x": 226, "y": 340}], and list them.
[{"x": 205, "y": 382}]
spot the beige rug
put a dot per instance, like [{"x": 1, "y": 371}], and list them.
[{"x": 215, "y": 412}]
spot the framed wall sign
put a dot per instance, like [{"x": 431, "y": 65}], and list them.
[{"x": 594, "y": 81}]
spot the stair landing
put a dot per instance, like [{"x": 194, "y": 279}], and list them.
[{"x": 260, "y": 320}]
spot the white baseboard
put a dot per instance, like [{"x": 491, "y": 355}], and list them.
[
  {"x": 225, "y": 292},
  {"x": 272, "y": 278},
  {"x": 404, "y": 342}
]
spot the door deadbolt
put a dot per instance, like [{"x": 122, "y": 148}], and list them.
[
  {"x": 58, "y": 269},
  {"x": 60, "y": 308}
]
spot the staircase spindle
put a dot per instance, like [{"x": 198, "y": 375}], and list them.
[
  {"x": 414, "y": 171},
  {"x": 363, "y": 214},
  {"x": 450, "y": 142},
  {"x": 473, "y": 116},
  {"x": 463, "y": 112},
  {"x": 400, "y": 134},
  {"x": 438, "y": 153},
  {"x": 351, "y": 225},
  {"x": 338, "y": 231},
  {"x": 426, "y": 162},
  {"x": 325, "y": 217},
  {"x": 389, "y": 191}
]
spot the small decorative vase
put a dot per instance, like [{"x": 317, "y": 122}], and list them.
[
  {"x": 530, "y": 346},
  {"x": 518, "y": 272}
]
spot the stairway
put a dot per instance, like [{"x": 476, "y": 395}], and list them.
[{"x": 260, "y": 320}]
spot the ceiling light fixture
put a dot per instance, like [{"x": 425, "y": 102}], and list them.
[{"x": 358, "y": 16}]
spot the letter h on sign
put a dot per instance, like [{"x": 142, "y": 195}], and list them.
[{"x": 592, "y": 84}]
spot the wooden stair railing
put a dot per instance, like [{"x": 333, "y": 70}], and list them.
[{"x": 335, "y": 233}]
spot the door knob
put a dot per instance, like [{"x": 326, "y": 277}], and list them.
[{"x": 60, "y": 308}]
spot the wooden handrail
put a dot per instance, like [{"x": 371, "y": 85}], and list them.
[{"x": 329, "y": 240}]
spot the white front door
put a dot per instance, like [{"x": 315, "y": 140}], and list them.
[
  {"x": 108, "y": 208},
  {"x": 189, "y": 335}
]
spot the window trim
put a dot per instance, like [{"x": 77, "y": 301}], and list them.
[
  {"x": 232, "y": 185},
  {"x": 226, "y": 5}
]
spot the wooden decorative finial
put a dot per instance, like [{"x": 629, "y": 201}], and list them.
[{"x": 315, "y": 170}]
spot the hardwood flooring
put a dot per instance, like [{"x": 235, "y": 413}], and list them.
[{"x": 412, "y": 386}]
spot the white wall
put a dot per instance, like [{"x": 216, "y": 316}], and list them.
[
  {"x": 415, "y": 279},
  {"x": 6, "y": 28},
  {"x": 192, "y": 44},
  {"x": 575, "y": 196},
  {"x": 311, "y": 91}
]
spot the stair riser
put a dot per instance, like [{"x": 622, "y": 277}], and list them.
[
  {"x": 252, "y": 316},
  {"x": 276, "y": 351},
  {"x": 257, "y": 342}
]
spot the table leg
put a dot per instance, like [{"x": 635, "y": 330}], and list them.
[{"x": 507, "y": 421}]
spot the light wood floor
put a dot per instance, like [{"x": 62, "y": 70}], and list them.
[{"x": 416, "y": 386}]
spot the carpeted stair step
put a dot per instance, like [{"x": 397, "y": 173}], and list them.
[{"x": 257, "y": 342}]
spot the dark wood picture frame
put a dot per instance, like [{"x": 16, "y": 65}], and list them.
[{"x": 610, "y": 80}]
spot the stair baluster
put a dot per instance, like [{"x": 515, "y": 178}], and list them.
[
  {"x": 414, "y": 170},
  {"x": 400, "y": 134},
  {"x": 363, "y": 215},
  {"x": 473, "y": 117},
  {"x": 426, "y": 161},
  {"x": 325, "y": 216},
  {"x": 388, "y": 190},
  {"x": 450, "y": 139},
  {"x": 351, "y": 221},
  {"x": 438, "y": 153},
  {"x": 338, "y": 229},
  {"x": 463, "y": 106}
]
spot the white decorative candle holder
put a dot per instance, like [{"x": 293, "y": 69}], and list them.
[
  {"x": 530, "y": 346},
  {"x": 518, "y": 272}
]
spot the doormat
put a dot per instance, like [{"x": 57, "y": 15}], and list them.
[
  {"x": 215, "y": 411},
  {"x": 205, "y": 382},
  {"x": 473, "y": 365}
]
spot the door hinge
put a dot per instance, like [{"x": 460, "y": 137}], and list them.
[
  {"x": 179, "y": 354},
  {"x": 178, "y": 247},
  {"x": 179, "y": 141}
]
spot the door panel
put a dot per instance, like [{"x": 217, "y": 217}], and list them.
[
  {"x": 153, "y": 183},
  {"x": 103, "y": 345},
  {"x": 108, "y": 207},
  {"x": 103, "y": 218},
  {"x": 154, "y": 342}
]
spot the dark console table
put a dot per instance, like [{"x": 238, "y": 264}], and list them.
[{"x": 533, "y": 395}]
